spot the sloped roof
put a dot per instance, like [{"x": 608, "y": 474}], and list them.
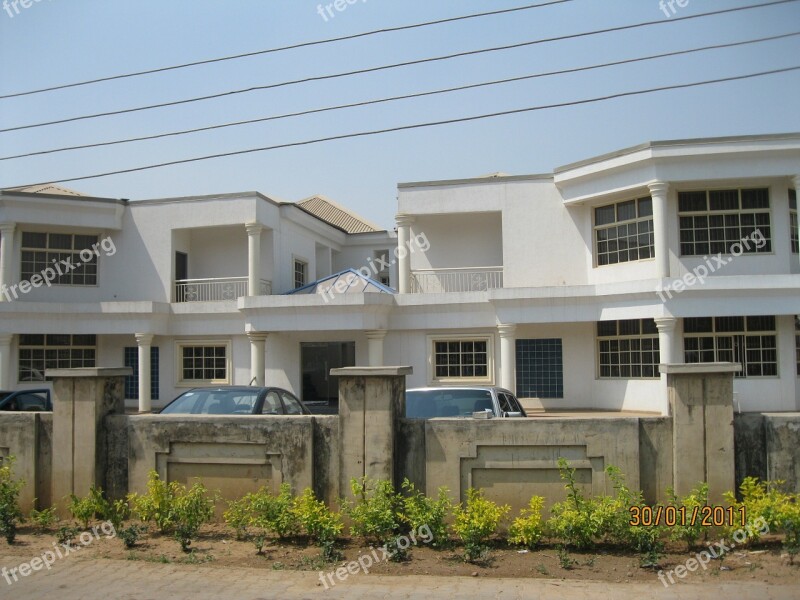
[
  {"x": 47, "y": 188},
  {"x": 349, "y": 281},
  {"x": 335, "y": 214}
]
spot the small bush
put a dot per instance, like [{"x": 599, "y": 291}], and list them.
[
  {"x": 691, "y": 530},
  {"x": 239, "y": 516},
  {"x": 318, "y": 522},
  {"x": 574, "y": 521},
  {"x": 475, "y": 522},
  {"x": 94, "y": 505},
  {"x": 44, "y": 519},
  {"x": 10, "y": 512},
  {"x": 528, "y": 528},
  {"x": 275, "y": 514},
  {"x": 190, "y": 510},
  {"x": 66, "y": 533},
  {"x": 763, "y": 502},
  {"x": 790, "y": 524},
  {"x": 418, "y": 511},
  {"x": 157, "y": 505},
  {"x": 130, "y": 535},
  {"x": 375, "y": 512}
]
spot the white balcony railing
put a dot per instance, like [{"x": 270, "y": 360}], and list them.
[
  {"x": 216, "y": 290},
  {"x": 472, "y": 279}
]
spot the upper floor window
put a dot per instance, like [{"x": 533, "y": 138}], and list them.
[
  {"x": 39, "y": 352},
  {"x": 624, "y": 231},
  {"x": 300, "y": 273},
  {"x": 628, "y": 349},
  {"x": 712, "y": 221},
  {"x": 62, "y": 253},
  {"x": 749, "y": 341},
  {"x": 793, "y": 221}
]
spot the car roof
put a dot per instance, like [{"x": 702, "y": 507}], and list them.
[{"x": 460, "y": 387}]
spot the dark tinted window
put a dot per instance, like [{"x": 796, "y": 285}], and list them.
[
  {"x": 292, "y": 404},
  {"x": 447, "y": 403},
  {"x": 272, "y": 404}
]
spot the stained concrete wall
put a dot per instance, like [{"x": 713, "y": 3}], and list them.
[
  {"x": 28, "y": 437},
  {"x": 768, "y": 447}
]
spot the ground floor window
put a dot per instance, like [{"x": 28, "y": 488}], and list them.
[
  {"x": 207, "y": 362},
  {"x": 628, "y": 349},
  {"x": 797, "y": 342},
  {"x": 750, "y": 341},
  {"x": 131, "y": 359},
  {"x": 39, "y": 352},
  {"x": 461, "y": 359},
  {"x": 540, "y": 368}
]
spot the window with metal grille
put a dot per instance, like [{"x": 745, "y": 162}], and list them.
[
  {"x": 749, "y": 341},
  {"x": 794, "y": 234},
  {"x": 132, "y": 381},
  {"x": 628, "y": 349},
  {"x": 461, "y": 359},
  {"x": 540, "y": 368},
  {"x": 204, "y": 363},
  {"x": 300, "y": 273},
  {"x": 712, "y": 221},
  {"x": 39, "y": 352}
]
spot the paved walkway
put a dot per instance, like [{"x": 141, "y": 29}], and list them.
[{"x": 81, "y": 579}]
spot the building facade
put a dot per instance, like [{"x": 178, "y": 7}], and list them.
[{"x": 570, "y": 288}]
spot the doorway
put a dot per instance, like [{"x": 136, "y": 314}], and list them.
[{"x": 320, "y": 388}]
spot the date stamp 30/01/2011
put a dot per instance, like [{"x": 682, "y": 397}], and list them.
[{"x": 682, "y": 516}]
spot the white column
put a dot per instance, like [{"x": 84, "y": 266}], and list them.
[
  {"x": 404, "y": 223},
  {"x": 796, "y": 182},
  {"x": 375, "y": 344},
  {"x": 508, "y": 356},
  {"x": 144, "y": 341},
  {"x": 258, "y": 357},
  {"x": 6, "y": 257},
  {"x": 254, "y": 258},
  {"x": 6, "y": 382},
  {"x": 668, "y": 354},
  {"x": 659, "y": 192}
]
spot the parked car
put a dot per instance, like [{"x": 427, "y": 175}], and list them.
[
  {"x": 26, "y": 401},
  {"x": 478, "y": 401},
  {"x": 236, "y": 400}
]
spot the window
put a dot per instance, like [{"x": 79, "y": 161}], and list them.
[
  {"x": 39, "y": 352},
  {"x": 272, "y": 404},
  {"x": 628, "y": 349},
  {"x": 462, "y": 359},
  {"x": 131, "y": 358},
  {"x": 749, "y": 341},
  {"x": 300, "y": 273},
  {"x": 43, "y": 250},
  {"x": 797, "y": 342},
  {"x": 540, "y": 368},
  {"x": 292, "y": 404},
  {"x": 204, "y": 363},
  {"x": 713, "y": 221},
  {"x": 381, "y": 262},
  {"x": 793, "y": 221},
  {"x": 624, "y": 232}
]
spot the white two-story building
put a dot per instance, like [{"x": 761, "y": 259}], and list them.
[{"x": 569, "y": 288}]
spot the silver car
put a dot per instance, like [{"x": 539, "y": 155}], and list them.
[{"x": 473, "y": 402}]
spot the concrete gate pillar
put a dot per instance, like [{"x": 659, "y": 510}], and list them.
[
  {"x": 371, "y": 400},
  {"x": 701, "y": 402},
  {"x": 82, "y": 399}
]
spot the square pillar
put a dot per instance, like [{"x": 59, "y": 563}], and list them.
[
  {"x": 82, "y": 399},
  {"x": 701, "y": 401},
  {"x": 6, "y": 379},
  {"x": 375, "y": 347},
  {"x": 258, "y": 357},
  {"x": 6, "y": 258},
  {"x": 371, "y": 401},
  {"x": 508, "y": 357}
]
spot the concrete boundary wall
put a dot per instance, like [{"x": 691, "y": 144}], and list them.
[{"x": 768, "y": 447}]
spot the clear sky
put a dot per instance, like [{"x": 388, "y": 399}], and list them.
[{"x": 61, "y": 41}]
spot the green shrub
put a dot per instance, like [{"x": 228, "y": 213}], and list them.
[
  {"x": 418, "y": 511},
  {"x": 790, "y": 519},
  {"x": 528, "y": 528},
  {"x": 10, "y": 512},
  {"x": 376, "y": 511},
  {"x": 66, "y": 533},
  {"x": 763, "y": 502},
  {"x": 690, "y": 529},
  {"x": 157, "y": 505},
  {"x": 275, "y": 514},
  {"x": 44, "y": 519},
  {"x": 190, "y": 510},
  {"x": 318, "y": 522},
  {"x": 117, "y": 512},
  {"x": 475, "y": 522},
  {"x": 575, "y": 521},
  {"x": 130, "y": 535},
  {"x": 93, "y": 505},
  {"x": 239, "y": 515}
]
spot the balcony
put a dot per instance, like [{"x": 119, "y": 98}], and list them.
[
  {"x": 471, "y": 279},
  {"x": 216, "y": 290}
]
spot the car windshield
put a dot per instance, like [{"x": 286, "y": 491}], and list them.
[
  {"x": 428, "y": 404},
  {"x": 213, "y": 402}
]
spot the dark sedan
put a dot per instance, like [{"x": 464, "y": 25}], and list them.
[
  {"x": 26, "y": 401},
  {"x": 233, "y": 400}
]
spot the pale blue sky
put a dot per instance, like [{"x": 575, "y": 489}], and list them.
[{"x": 59, "y": 41}]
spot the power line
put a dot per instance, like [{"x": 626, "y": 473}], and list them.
[
  {"x": 424, "y": 125},
  {"x": 285, "y": 48},
  {"x": 392, "y": 66},
  {"x": 404, "y": 97}
]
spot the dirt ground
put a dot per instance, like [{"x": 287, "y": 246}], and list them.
[{"x": 217, "y": 548}]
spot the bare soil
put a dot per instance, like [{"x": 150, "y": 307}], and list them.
[{"x": 217, "y": 548}]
